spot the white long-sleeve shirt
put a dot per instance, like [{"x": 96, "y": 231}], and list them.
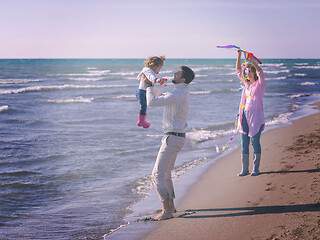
[
  {"x": 176, "y": 105},
  {"x": 150, "y": 74}
]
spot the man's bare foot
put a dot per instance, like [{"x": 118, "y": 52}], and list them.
[{"x": 163, "y": 216}]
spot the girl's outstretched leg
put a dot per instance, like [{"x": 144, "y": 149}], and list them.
[{"x": 141, "y": 95}]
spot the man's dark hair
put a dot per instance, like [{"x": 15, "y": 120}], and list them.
[{"x": 187, "y": 74}]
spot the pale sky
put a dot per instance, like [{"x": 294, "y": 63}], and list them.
[{"x": 174, "y": 28}]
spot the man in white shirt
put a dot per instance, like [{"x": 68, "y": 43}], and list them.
[{"x": 175, "y": 116}]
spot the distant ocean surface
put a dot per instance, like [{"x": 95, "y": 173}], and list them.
[{"x": 72, "y": 160}]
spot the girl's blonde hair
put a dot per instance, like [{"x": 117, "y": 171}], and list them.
[
  {"x": 155, "y": 61},
  {"x": 252, "y": 69}
]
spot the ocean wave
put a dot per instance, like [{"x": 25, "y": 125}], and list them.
[
  {"x": 79, "y": 99},
  {"x": 233, "y": 73},
  {"x": 301, "y": 64},
  {"x": 124, "y": 96},
  {"x": 202, "y": 135},
  {"x": 89, "y": 73},
  {"x": 206, "y": 135},
  {"x": 180, "y": 170},
  {"x": 199, "y": 75},
  {"x": 308, "y": 84},
  {"x": 166, "y": 72},
  {"x": 222, "y": 80},
  {"x": 282, "y": 118},
  {"x": 277, "y": 78},
  {"x": 273, "y": 64},
  {"x": 307, "y": 67},
  {"x": 18, "y": 173},
  {"x": 17, "y": 81},
  {"x": 99, "y": 72},
  {"x": 154, "y": 135},
  {"x": 124, "y": 73},
  {"x": 144, "y": 185},
  {"x": 4, "y": 108},
  {"x": 276, "y": 72},
  {"x": 300, "y": 74},
  {"x": 298, "y": 95},
  {"x": 87, "y": 79},
  {"x": 200, "y": 92},
  {"x": 59, "y": 87},
  {"x": 199, "y": 69}
]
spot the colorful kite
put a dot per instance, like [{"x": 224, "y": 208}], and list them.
[{"x": 246, "y": 53}]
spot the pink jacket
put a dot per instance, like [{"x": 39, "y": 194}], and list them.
[{"x": 254, "y": 114}]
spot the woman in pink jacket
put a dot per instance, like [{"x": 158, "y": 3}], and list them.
[{"x": 251, "y": 117}]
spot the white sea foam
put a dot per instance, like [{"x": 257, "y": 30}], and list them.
[
  {"x": 303, "y": 95},
  {"x": 199, "y": 75},
  {"x": 198, "y": 69},
  {"x": 99, "y": 72},
  {"x": 300, "y": 74},
  {"x": 79, "y": 99},
  {"x": 86, "y": 79},
  {"x": 307, "y": 67},
  {"x": 124, "y": 96},
  {"x": 205, "y": 135},
  {"x": 124, "y": 73},
  {"x": 282, "y": 118},
  {"x": 273, "y": 64},
  {"x": 60, "y": 87},
  {"x": 89, "y": 73},
  {"x": 91, "y": 68},
  {"x": 277, "y": 78},
  {"x": 299, "y": 95},
  {"x": 154, "y": 135},
  {"x": 17, "y": 81},
  {"x": 145, "y": 184},
  {"x": 308, "y": 84},
  {"x": 202, "y": 135},
  {"x": 166, "y": 72},
  {"x": 276, "y": 72},
  {"x": 233, "y": 73},
  {"x": 301, "y": 64},
  {"x": 200, "y": 92},
  {"x": 4, "y": 108}
]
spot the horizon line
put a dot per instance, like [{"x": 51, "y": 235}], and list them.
[{"x": 120, "y": 58}]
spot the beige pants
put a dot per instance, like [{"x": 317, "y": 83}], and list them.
[{"x": 161, "y": 174}]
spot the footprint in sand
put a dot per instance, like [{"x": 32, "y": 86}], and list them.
[{"x": 270, "y": 188}]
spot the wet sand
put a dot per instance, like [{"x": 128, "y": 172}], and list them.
[{"x": 283, "y": 202}]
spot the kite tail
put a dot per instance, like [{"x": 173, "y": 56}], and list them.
[{"x": 250, "y": 54}]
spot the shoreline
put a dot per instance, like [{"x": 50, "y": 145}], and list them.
[
  {"x": 146, "y": 208},
  {"x": 282, "y": 202}
]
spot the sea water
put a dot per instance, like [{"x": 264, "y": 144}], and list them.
[{"x": 74, "y": 164}]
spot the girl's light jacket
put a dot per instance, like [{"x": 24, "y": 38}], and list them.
[{"x": 254, "y": 113}]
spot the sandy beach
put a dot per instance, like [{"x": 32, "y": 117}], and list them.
[{"x": 283, "y": 202}]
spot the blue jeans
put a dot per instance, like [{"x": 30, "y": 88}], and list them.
[
  {"x": 141, "y": 95},
  {"x": 245, "y": 139}
]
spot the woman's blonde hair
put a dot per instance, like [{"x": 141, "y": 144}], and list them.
[
  {"x": 155, "y": 61},
  {"x": 252, "y": 69}
]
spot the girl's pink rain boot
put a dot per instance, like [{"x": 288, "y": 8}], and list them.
[{"x": 142, "y": 121}]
